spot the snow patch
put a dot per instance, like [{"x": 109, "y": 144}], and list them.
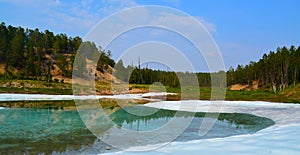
[
  {"x": 281, "y": 138},
  {"x": 42, "y": 97}
]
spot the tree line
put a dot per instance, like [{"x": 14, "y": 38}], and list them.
[
  {"x": 275, "y": 70},
  {"x": 32, "y": 54},
  {"x": 138, "y": 75}
]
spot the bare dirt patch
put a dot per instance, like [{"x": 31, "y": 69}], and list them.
[{"x": 253, "y": 86}]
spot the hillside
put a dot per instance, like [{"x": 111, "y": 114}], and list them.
[{"x": 34, "y": 55}]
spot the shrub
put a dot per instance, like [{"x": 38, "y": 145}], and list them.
[{"x": 56, "y": 80}]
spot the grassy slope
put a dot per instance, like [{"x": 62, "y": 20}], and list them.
[{"x": 34, "y": 87}]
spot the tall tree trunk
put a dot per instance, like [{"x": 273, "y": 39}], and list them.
[
  {"x": 273, "y": 84},
  {"x": 295, "y": 76},
  {"x": 286, "y": 76},
  {"x": 281, "y": 78}
]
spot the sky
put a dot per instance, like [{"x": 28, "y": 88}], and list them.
[{"x": 243, "y": 30}]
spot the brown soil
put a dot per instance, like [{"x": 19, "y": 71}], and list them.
[
  {"x": 254, "y": 86},
  {"x": 138, "y": 91},
  {"x": 2, "y": 69},
  {"x": 133, "y": 91},
  {"x": 238, "y": 87}
]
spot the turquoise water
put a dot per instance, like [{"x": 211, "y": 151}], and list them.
[{"x": 33, "y": 131}]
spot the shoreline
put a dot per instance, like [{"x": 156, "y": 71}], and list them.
[{"x": 66, "y": 101}]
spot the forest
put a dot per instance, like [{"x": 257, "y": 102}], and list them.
[
  {"x": 275, "y": 71},
  {"x": 32, "y": 54},
  {"x": 138, "y": 75}
]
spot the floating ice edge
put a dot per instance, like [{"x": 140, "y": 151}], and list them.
[{"x": 281, "y": 138}]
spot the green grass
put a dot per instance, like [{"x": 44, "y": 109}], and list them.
[
  {"x": 252, "y": 95},
  {"x": 34, "y": 87},
  {"x": 54, "y": 91},
  {"x": 290, "y": 95},
  {"x": 140, "y": 86}
]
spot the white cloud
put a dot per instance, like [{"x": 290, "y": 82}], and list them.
[
  {"x": 112, "y": 6},
  {"x": 79, "y": 16},
  {"x": 211, "y": 27},
  {"x": 83, "y": 15},
  {"x": 184, "y": 21},
  {"x": 71, "y": 16}
]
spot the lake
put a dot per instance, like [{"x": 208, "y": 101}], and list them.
[{"x": 33, "y": 131}]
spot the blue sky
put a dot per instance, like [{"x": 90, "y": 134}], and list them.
[{"x": 244, "y": 30}]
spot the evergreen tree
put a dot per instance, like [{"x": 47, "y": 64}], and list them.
[{"x": 4, "y": 42}]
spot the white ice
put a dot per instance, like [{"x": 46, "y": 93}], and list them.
[
  {"x": 42, "y": 97},
  {"x": 281, "y": 138}
]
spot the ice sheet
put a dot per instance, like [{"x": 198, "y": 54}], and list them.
[
  {"x": 281, "y": 113},
  {"x": 281, "y": 138},
  {"x": 42, "y": 97}
]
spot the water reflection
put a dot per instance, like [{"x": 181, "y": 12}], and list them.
[
  {"x": 228, "y": 124},
  {"x": 33, "y": 131}
]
